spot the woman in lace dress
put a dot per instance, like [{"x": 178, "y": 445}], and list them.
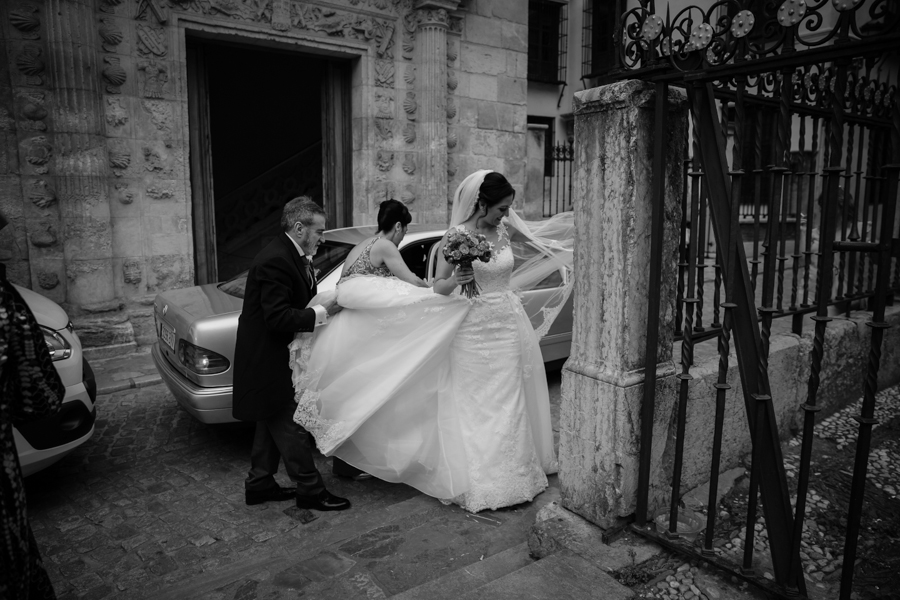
[
  {"x": 434, "y": 390},
  {"x": 378, "y": 255}
]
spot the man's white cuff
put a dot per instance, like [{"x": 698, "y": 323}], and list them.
[{"x": 321, "y": 314}]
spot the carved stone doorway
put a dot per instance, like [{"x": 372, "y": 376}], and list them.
[{"x": 266, "y": 125}]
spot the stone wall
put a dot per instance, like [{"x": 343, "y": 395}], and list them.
[
  {"x": 842, "y": 380},
  {"x": 95, "y": 172}
]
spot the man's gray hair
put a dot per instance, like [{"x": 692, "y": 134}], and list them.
[{"x": 302, "y": 209}]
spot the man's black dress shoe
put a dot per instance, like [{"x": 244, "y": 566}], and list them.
[
  {"x": 325, "y": 500},
  {"x": 275, "y": 494}
]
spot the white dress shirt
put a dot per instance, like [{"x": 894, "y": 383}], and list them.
[{"x": 321, "y": 313}]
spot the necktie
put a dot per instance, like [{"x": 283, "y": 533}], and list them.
[{"x": 310, "y": 272}]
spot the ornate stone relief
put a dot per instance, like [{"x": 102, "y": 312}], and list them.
[
  {"x": 408, "y": 196},
  {"x": 410, "y": 24},
  {"x": 132, "y": 270},
  {"x": 27, "y": 22},
  {"x": 151, "y": 7},
  {"x": 451, "y": 166},
  {"x": 30, "y": 64},
  {"x": 153, "y": 160},
  {"x": 48, "y": 281},
  {"x": 109, "y": 6},
  {"x": 111, "y": 35},
  {"x": 119, "y": 160},
  {"x": 158, "y": 193},
  {"x": 410, "y": 106},
  {"x": 409, "y": 133},
  {"x": 123, "y": 194},
  {"x": 384, "y": 73},
  {"x": 33, "y": 111},
  {"x": 452, "y": 139},
  {"x": 160, "y": 114},
  {"x": 452, "y": 53},
  {"x": 384, "y": 116},
  {"x": 41, "y": 194},
  {"x": 452, "y": 82},
  {"x": 116, "y": 115},
  {"x": 456, "y": 24},
  {"x": 451, "y": 109},
  {"x": 281, "y": 15},
  {"x": 409, "y": 163},
  {"x": 38, "y": 153},
  {"x": 113, "y": 74},
  {"x": 409, "y": 75},
  {"x": 154, "y": 78},
  {"x": 44, "y": 236},
  {"x": 151, "y": 41},
  {"x": 384, "y": 160}
]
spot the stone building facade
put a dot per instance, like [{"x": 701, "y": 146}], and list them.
[{"x": 102, "y": 161}]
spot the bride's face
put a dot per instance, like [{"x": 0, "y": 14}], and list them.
[{"x": 496, "y": 212}]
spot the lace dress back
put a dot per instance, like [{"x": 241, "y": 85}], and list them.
[{"x": 363, "y": 264}]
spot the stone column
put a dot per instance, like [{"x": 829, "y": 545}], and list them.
[
  {"x": 431, "y": 49},
  {"x": 602, "y": 385},
  {"x": 79, "y": 151},
  {"x": 533, "y": 205}
]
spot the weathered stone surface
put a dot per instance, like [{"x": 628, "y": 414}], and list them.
[
  {"x": 104, "y": 330},
  {"x": 603, "y": 379},
  {"x": 556, "y": 528}
]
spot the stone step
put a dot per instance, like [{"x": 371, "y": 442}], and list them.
[
  {"x": 463, "y": 580},
  {"x": 560, "y": 575}
]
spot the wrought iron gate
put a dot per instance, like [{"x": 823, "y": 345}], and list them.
[{"x": 763, "y": 80}]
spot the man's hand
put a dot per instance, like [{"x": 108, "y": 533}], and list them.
[{"x": 332, "y": 307}]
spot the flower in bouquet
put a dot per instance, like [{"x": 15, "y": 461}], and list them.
[{"x": 464, "y": 247}]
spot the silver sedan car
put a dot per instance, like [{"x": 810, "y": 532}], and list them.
[{"x": 197, "y": 326}]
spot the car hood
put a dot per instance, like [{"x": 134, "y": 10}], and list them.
[
  {"x": 47, "y": 312},
  {"x": 202, "y": 301}
]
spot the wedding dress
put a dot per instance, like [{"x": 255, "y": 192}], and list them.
[{"x": 443, "y": 393}]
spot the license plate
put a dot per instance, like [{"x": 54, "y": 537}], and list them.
[{"x": 167, "y": 335}]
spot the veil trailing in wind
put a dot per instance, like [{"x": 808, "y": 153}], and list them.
[{"x": 544, "y": 252}]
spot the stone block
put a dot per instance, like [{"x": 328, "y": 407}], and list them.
[
  {"x": 512, "y": 91},
  {"x": 468, "y": 111},
  {"x": 87, "y": 239},
  {"x": 482, "y": 31},
  {"x": 155, "y": 119},
  {"x": 483, "y": 87},
  {"x": 512, "y": 146},
  {"x": 514, "y": 36},
  {"x": 556, "y": 528},
  {"x": 89, "y": 281},
  {"x": 127, "y": 237},
  {"x": 511, "y": 10},
  {"x": 104, "y": 330},
  {"x": 484, "y": 142},
  {"x": 485, "y": 60},
  {"x": 169, "y": 272},
  {"x": 487, "y": 115},
  {"x": 119, "y": 115}
]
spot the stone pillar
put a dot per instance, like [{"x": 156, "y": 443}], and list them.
[
  {"x": 533, "y": 204},
  {"x": 602, "y": 385},
  {"x": 431, "y": 48},
  {"x": 79, "y": 151}
]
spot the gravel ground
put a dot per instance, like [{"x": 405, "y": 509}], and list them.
[{"x": 877, "y": 572}]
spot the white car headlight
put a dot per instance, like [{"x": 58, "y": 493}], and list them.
[{"x": 57, "y": 344}]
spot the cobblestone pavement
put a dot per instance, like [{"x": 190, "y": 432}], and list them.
[{"x": 877, "y": 572}]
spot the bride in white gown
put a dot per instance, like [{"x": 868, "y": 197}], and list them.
[{"x": 431, "y": 389}]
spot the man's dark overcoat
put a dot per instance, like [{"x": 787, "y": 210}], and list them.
[{"x": 278, "y": 290}]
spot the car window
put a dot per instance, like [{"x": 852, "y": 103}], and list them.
[
  {"x": 329, "y": 256},
  {"x": 415, "y": 255}
]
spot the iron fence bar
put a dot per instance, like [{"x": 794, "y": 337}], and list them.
[
  {"x": 753, "y": 493},
  {"x": 866, "y": 417},
  {"x": 782, "y": 238},
  {"x": 846, "y": 208},
  {"x": 754, "y": 379},
  {"x": 700, "y": 264},
  {"x": 648, "y": 403},
  {"x": 757, "y": 196},
  {"x": 823, "y": 293},
  {"x": 867, "y": 204},
  {"x": 687, "y": 352},
  {"x": 855, "y": 236},
  {"x": 682, "y": 249},
  {"x": 810, "y": 208}
]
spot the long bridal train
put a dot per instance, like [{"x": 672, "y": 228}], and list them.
[{"x": 441, "y": 393}]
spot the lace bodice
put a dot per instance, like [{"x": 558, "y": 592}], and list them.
[
  {"x": 494, "y": 275},
  {"x": 363, "y": 264}
]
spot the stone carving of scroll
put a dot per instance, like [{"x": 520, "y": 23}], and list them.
[
  {"x": 151, "y": 41},
  {"x": 27, "y": 22},
  {"x": 119, "y": 160},
  {"x": 384, "y": 73},
  {"x": 38, "y": 153},
  {"x": 132, "y": 271},
  {"x": 41, "y": 194},
  {"x": 33, "y": 111}
]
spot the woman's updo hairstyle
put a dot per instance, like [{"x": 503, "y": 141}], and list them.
[
  {"x": 391, "y": 212},
  {"x": 494, "y": 189}
]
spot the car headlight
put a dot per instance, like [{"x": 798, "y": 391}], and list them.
[
  {"x": 57, "y": 345},
  {"x": 200, "y": 360}
]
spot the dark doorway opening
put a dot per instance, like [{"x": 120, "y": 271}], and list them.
[{"x": 262, "y": 132}]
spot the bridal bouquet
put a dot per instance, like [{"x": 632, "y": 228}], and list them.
[{"x": 462, "y": 249}]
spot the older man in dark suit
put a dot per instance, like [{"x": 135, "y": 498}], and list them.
[{"x": 280, "y": 284}]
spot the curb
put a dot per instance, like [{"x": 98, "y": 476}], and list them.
[{"x": 131, "y": 383}]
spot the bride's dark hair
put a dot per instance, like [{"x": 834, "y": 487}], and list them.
[
  {"x": 391, "y": 212},
  {"x": 494, "y": 189}
]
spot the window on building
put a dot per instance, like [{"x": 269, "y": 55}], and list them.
[
  {"x": 547, "y": 40},
  {"x": 549, "y": 141},
  {"x": 598, "y": 52}
]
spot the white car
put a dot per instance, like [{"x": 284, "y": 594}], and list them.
[{"x": 43, "y": 442}]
